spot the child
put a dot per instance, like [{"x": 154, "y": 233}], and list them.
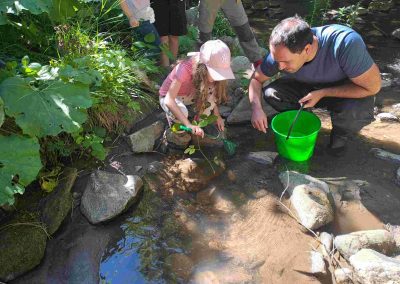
[
  {"x": 141, "y": 17},
  {"x": 199, "y": 80},
  {"x": 170, "y": 23}
]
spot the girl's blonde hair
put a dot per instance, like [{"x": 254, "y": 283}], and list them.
[{"x": 201, "y": 83}]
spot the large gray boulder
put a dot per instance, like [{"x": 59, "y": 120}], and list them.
[
  {"x": 311, "y": 206},
  {"x": 379, "y": 240},
  {"x": 107, "y": 195},
  {"x": 144, "y": 139},
  {"x": 58, "y": 204},
  {"x": 22, "y": 248},
  {"x": 373, "y": 267},
  {"x": 242, "y": 112}
]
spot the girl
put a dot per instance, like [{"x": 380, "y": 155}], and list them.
[{"x": 199, "y": 80}]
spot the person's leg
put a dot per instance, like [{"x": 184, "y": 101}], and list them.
[
  {"x": 236, "y": 15},
  {"x": 208, "y": 10},
  {"x": 173, "y": 42},
  {"x": 284, "y": 94},
  {"x": 164, "y": 59},
  {"x": 348, "y": 117}
]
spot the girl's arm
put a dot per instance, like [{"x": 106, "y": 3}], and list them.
[
  {"x": 220, "y": 120},
  {"x": 132, "y": 20},
  {"x": 173, "y": 107}
]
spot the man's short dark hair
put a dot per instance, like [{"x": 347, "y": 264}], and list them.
[{"x": 293, "y": 32}]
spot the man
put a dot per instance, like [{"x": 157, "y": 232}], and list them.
[
  {"x": 236, "y": 15},
  {"x": 325, "y": 66}
]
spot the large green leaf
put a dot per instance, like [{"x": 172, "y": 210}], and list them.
[
  {"x": 19, "y": 161},
  {"x": 34, "y": 6},
  {"x": 58, "y": 107}
]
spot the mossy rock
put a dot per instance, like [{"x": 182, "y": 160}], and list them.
[
  {"x": 59, "y": 203},
  {"x": 22, "y": 248}
]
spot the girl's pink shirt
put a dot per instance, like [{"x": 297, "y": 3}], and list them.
[{"x": 183, "y": 72}]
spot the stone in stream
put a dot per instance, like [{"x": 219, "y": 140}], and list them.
[
  {"x": 22, "y": 248},
  {"x": 387, "y": 117},
  {"x": 107, "y": 195},
  {"x": 373, "y": 267},
  {"x": 398, "y": 177},
  {"x": 396, "y": 34},
  {"x": 242, "y": 112},
  {"x": 291, "y": 179},
  {"x": 327, "y": 241},
  {"x": 57, "y": 205},
  {"x": 143, "y": 140},
  {"x": 344, "y": 276},
  {"x": 263, "y": 157},
  {"x": 317, "y": 263},
  {"x": 385, "y": 155},
  {"x": 312, "y": 206},
  {"x": 379, "y": 240}
]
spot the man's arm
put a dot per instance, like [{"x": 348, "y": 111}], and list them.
[
  {"x": 132, "y": 20},
  {"x": 258, "y": 117},
  {"x": 367, "y": 84}
]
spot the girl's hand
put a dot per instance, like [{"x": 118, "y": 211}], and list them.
[
  {"x": 133, "y": 22},
  {"x": 220, "y": 123},
  {"x": 197, "y": 130}
]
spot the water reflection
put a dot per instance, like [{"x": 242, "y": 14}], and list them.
[{"x": 139, "y": 254}]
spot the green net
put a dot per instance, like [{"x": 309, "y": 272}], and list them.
[{"x": 229, "y": 146}]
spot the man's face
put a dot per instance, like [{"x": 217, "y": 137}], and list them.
[{"x": 288, "y": 61}]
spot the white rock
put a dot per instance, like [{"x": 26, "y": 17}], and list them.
[
  {"x": 143, "y": 140},
  {"x": 396, "y": 33},
  {"x": 312, "y": 206},
  {"x": 317, "y": 263},
  {"x": 263, "y": 157},
  {"x": 373, "y": 267},
  {"x": 240, "y": 63},
  {"x": 385, "y": 155},
  {"x": 387, "y": 79},
  {"x": 295, "y": 179},
  {"x": 380, "y": 240},
  {"x": 344, "y": 276},
  {"x": 327, "y": 241},
  {"x": 387, "y": 117}
]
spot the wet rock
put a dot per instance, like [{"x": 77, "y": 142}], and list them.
[
  {"x": 192, "y": 15},
  {"x": 379, "y": 5},
  {"x": 181, "y": 265},
  {"x": 242, "y": 112},
  {"x": 396, "y": 33},
  {"x": 387, "y": 80},
  {"x": 240, "y": 63},
  {"x": 225, "y": 111},
  {"x": 291, "y": 179},
  {"x": 58, "y": 204},
  {"x": 379, "y": 240},
  {"x": 107, "y": 195},
  {"x": 180, "y": 140},
  {"x": 143, "y": 140},
  {"x": 343, "y": 276},
  {"x": 398, "y": 177},
  {"x": 260, "y": 5},
  {"x": 327, "y": 241},
  {"x": 387, "y": 117},
  {"x": 373, "y": 267},
  {"x": 385, "y": 155},
  {"x": 275, "y": 12},
  {"x": 312, "y": 206},
  {"x": 22, "y": 248},
  {"x": 235, "y": 97},
  {"x": 138, "y": 168},
  {"x": 317, "y": 263},
  {"x": 263, "y": 157},
  {"x": 155, "y": 167}
]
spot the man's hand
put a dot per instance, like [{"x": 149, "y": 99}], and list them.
[
  {"x": 311, "y": 99},
  {"x": 259, "y": 120},
  {"x": 220, "y": 124}
]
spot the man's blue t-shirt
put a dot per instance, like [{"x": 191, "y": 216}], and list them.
[{"x": 341, "y": 54}]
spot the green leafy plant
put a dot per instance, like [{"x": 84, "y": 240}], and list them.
[
  {"x": 348, "y": 15},
  {"x": 222, "y": 27},
  {"x": 317, "y": 8}
]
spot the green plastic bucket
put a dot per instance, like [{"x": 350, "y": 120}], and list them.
[{"x": 300, "y": 145}]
